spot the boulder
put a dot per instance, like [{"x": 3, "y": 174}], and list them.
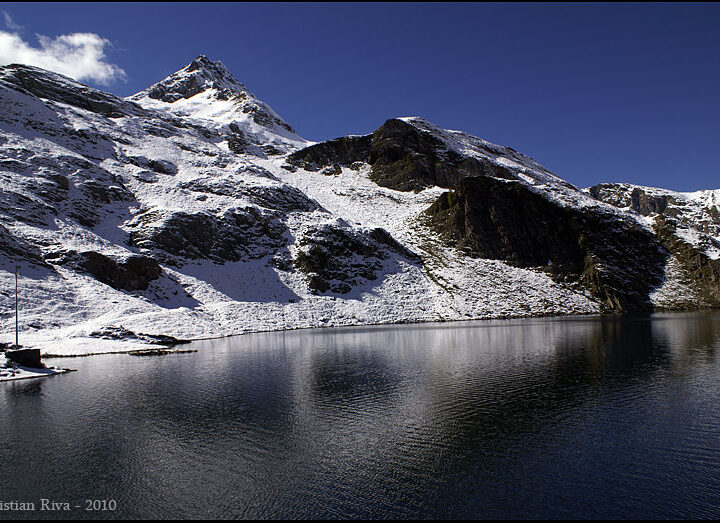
[{"x": 132, "y": 274}]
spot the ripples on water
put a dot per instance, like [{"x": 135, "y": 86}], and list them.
[{"x": 582, "y": 417}]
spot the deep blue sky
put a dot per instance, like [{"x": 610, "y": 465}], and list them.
[{"x": 594, "y": 92}]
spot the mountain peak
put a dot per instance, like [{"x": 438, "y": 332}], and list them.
[
  {"x": 207, "y": 91},
  {"x": 200, "y": 75},
  {"x": 214, "y": 73},
  {"x": 203, "y": 62}
]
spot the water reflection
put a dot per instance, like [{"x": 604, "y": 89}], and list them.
[{"x": 586, "y": 417}]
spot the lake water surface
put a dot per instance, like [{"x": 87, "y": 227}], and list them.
[{"x": 601, "y": 417}]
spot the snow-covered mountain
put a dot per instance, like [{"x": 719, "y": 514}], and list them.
[
  {"x": 207, "y": 92},
  {"x": 191, "y": 209}
]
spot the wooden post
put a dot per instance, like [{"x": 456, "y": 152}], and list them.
[{"x": 17, "y": 344}]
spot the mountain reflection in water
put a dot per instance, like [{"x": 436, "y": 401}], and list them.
[{"x": 574, "y": 417}]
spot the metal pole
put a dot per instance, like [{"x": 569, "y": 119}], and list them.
[{"x": 17, "y": 345}]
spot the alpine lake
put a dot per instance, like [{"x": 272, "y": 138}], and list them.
[{"x": 577, "y": 417}]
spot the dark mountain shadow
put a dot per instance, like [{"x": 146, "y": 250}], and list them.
[
  {"x": 167, "y": 293},
  {"x": 242, "y": 281}
]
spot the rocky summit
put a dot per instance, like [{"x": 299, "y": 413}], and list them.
[{"x": 192, "y": 209}]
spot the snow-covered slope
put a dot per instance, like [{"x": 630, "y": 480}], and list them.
[{"x": 193, "y": 210}]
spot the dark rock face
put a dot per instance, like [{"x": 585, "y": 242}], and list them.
[
  {"x": 341, "y": 151},
  {"x": 61, "y": 183},
  {"x": 402, "y": 158},
  {"x": 238, "y": 144},
  {"x": 336, "y": 259},
  {"x": 262, "y": 116},
  {"x": 238, "y": 234},
  {"x": 53, "y": 188},
  {"x": 208, "y": 74},
  {"x": 58, "y": 88},
  {"x": 134, "y": 273},
  {"x": 485, "y": 218},
  {"x": 617, "y": 260},
  {"x": 646, "y": 204},
  {"x": 407, "y": 159},
  {"x": 19, "y": 249},
  {"x": 637, "y": 199},
  {"x": 241, "y": 143},
  {"x": 701, "y": 272},
  {"x": 685, "y": 213},
  {"x": 271, "y": 150},
  {"x": 283, "y": 197}
]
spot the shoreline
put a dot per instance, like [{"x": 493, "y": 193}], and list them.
[
  {"x": 134, "y": 346},
  {"x": 17, "y": 372}
]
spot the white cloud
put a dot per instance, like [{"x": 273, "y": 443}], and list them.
[
  {"x": 10, "y": 23},
  {"x": 78, "y": 55}
]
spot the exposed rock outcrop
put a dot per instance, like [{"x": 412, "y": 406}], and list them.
[
  {"x": 18, "y": 249},
  {"x": 700, "y": 271},
  {"x": 620, "y": 262},
  {"x": 236, "y": 234},
  {"x": 701, "y": 212},
  {"x": 280, "y": 197},
  {"x": 121, "y": 333},
  {"x": 337, "y": 259},
  {"x": 402, "y": 157},
  {"x": 131, "y": 274},
  {"x": 408, "y": 159},
  {"x": 58, "y": 88},
  {"x": 341, "y": 151}
]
